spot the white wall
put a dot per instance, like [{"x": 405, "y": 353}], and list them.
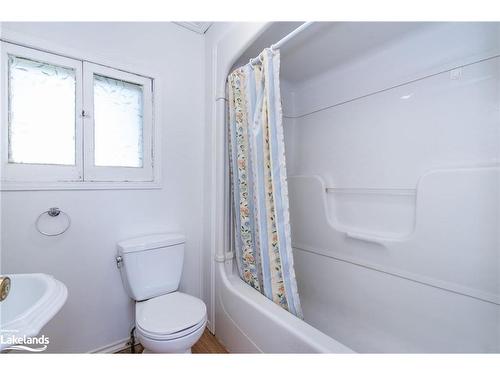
[
  {"x": 404, "y": 257},
  {"x": 98, "y": 312}
]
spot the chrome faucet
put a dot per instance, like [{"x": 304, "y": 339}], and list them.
[{"x": 4, "y": 287}]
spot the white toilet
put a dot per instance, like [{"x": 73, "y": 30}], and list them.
[{"x": 167, "y": 321}]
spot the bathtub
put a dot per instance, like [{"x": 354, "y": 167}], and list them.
[{"x": 247, "y": 322}]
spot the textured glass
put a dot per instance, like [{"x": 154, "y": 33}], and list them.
[
  {"x": 118, "y": 123},
  {"x": 41, "y": 113}
]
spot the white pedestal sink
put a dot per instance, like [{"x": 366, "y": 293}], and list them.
[{"x": 33, "y": 301}]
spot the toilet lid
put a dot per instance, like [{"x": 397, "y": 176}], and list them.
[{"x": 169, "y": 313}]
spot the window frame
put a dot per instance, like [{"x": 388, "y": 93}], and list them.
[
  {"x": 110, "y": 173},
  {"x": 45, "y": 177},
  {"x": 20, "y": 172}
]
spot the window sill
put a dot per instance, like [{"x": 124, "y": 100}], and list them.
[{"x": 79, "y": 185}]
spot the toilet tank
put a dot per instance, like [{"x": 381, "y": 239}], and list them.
[{"x": 151, "y": 265}]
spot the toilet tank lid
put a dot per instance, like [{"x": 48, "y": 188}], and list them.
[{"x": 150, "y": 242}]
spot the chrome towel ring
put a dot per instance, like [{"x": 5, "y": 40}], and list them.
[{"x": 52, "y": 213}]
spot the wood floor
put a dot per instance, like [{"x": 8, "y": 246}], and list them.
[{"x": 207, "y": 344}]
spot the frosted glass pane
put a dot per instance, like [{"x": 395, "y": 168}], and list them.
[
  {"x": 118, "y": 123},
  {"x": 41, "y": 113}
]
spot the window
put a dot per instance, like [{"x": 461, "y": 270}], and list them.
[
  {"x": 72, "y": 121},
  {"x": 42, "y": 108},
  {"x": 117, "y": 140}
]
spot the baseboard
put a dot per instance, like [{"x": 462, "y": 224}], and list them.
[
  {"x": 210, "y": 327},
  {"x": 113, "y": 348},
  {"x": 125, "y": 344}
]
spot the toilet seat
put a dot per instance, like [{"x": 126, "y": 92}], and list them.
[{"x": 170, "y": 316}]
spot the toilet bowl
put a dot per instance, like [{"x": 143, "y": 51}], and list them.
[
  {"x": 178, "y": 345},
  {"x": 171, "y": 323},
  {"x": 167, "y": 321}
]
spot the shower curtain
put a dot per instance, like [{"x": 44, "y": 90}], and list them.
[{"x": 261, "y": 240}]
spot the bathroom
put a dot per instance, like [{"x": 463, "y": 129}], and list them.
[{"x": 141, "y": 227}]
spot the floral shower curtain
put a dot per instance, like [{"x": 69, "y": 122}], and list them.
[{"x": 259, "y": 191}]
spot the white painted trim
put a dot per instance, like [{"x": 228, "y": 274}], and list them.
[
  {"x": 209, "y": 327},
  {"x": 79, "y": 185},
  {"x": 209, "y": 195},
  {"x": 40, "y": 172},
  {"x": 113, "y": 173},
  {"x": 44, "y": 45},
  {"x": 113, "y": 347}
]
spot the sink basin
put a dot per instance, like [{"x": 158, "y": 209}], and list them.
[{"x": 33, "y": 301}]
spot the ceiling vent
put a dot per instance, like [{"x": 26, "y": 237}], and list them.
[{"x": 197, "y": 27}]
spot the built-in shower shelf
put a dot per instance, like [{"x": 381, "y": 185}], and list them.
[
  {"x": 371, "y": 190},
  {"x": 372, "y": 214},
  {"x": 378, "y": 238}
]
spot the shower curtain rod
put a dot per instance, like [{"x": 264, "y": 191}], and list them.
[
  {"x": 275, "y": 46},
  {"x": 283, "y": 40}
]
